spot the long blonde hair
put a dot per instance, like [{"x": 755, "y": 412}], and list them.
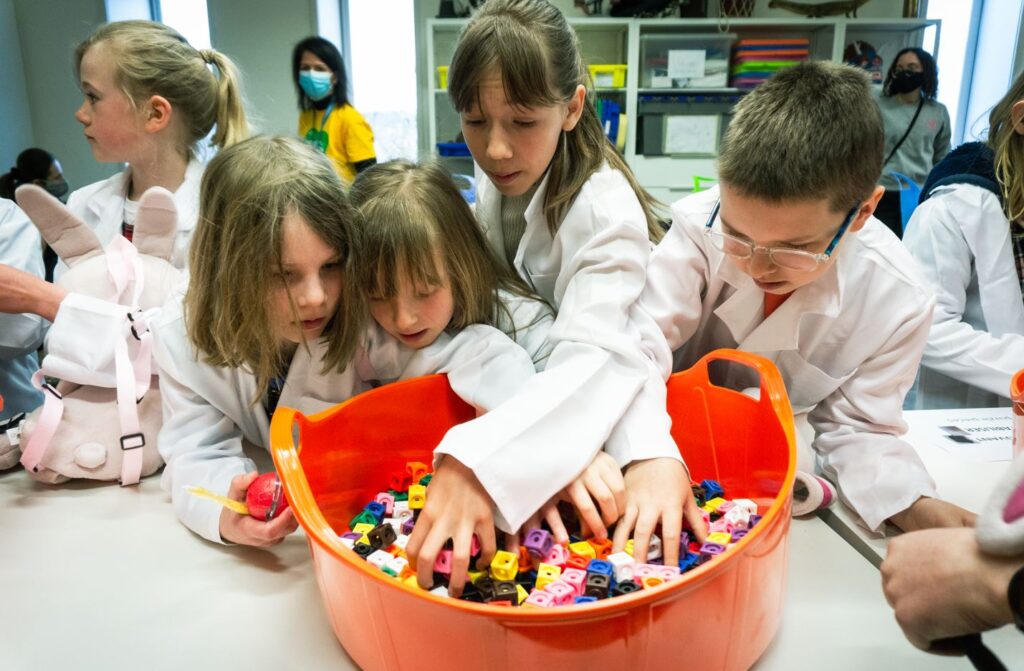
[
  {"x": 153, "y": 59},
  {"x": 246, "y": 192},
  {"x": 413, "y": 217},
  {"x": 1008, "y": 146},
  {"x": 538, "y": 55}
]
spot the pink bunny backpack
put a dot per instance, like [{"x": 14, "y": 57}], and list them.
[
  {"x": 101, "y": 419},
  {"x": 1000, "y": 526}
]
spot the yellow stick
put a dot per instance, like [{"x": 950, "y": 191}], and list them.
[{"x": 230, "y": 504}]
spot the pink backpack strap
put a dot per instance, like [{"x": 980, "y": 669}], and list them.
[
  {"x": 46, "y": 426},
  {"x": 133, "y": 379}
]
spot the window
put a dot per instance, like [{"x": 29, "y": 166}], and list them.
[
  {"x": 384, "y": 73},
  {"x": 955, "y": 69},
  {"x": 188, "y": 17}
]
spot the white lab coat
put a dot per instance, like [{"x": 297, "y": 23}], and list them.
[
  {"x": 528, "y": 322},
  {"x": 20, "y": 334},
  {"x": 847, "y": 346},
  {"x": 961, "y": 240},
  {"x": 208, "y": 411},
  {"x": 101, "y": 207},
  {"x": 591, "y": 271}
]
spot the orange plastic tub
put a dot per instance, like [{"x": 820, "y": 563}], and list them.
[
  {"x": 719, "y": 616},
  {"x": 1017, "y": 396}
]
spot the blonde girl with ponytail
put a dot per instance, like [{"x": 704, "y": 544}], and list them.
[{"x": 149, "y": 100}]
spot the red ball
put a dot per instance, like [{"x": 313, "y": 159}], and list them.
[{"x": 265, "y": 497}]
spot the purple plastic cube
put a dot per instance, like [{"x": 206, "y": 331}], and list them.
[
  {"x": 407, "y": 526},
  {"x": 710, "y": 550},
  {"x": 538, "y": 542}
]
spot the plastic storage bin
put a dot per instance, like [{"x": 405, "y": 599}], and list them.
[
  {"x": 608, "y": 76},
  {"x": 1017, "y": 396},
  {"x": 685, "y": 61},
  {"x": 719, "y": 616},
  {"x": 453, "y": 149}
]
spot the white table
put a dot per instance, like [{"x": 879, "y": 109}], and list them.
[
  {"x": 965, "y": 483},
  {"x": 99, "y": 577}
]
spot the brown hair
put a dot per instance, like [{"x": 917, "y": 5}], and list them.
[
  {"x": 414, "y": 216},
  {"x": 811, "y": 131},
  {"x": 246, "y": 192},
  {"x": 1008, "y": 147},
  {"x": 153, "y": 59},
  {"x": 538, "y": 55}
]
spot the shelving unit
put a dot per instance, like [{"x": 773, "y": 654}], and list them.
[{"x": 613, "y": 41}]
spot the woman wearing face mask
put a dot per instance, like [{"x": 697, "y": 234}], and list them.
[
  {"x": 328, "y": 121},
  {"x": 39, "y": 167},
  {"x": 917, "y": 128},
  {"x": 34, "y": 166}
]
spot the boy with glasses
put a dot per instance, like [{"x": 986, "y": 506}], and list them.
[{"x": 784, "y": 260}]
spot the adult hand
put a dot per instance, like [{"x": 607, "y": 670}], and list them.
[
  {"x": 457, "y": 507},
  {"x": 25, "y": 293},
  {"x": 247, "y": 530},
  {"x": 657, "y": 490},
  {"x": 940, "y": 584},
  {"x": 929, "y": 513}
]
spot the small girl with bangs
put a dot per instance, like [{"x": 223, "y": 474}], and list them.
[
  {"x": 559, "y": 205},
  {"x": 425, "y": 267}
]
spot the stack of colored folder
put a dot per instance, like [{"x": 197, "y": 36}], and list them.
[
  {"x": 613, "y": 121},
  {"x": 753, "y": 61}
]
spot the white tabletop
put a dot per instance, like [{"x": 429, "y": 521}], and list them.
[
  {"x": 99, "y": 577},
  {"x": 960, "y": 480}
]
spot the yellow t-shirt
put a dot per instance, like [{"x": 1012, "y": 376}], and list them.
[{"x": 346, "y": 138}]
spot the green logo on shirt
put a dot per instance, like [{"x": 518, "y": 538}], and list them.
[{"x": 317, "y": 138}]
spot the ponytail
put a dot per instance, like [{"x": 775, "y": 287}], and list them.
[{"x": 232, "y": 125}]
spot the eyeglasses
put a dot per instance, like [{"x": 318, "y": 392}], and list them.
[{"x": 784, "y": 257}]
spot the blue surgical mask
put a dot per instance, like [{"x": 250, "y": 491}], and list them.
[{"x": 316, "y": 85}]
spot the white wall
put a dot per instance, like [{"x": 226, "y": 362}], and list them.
[
  {"x": 15, "y": 117},
  {"x": 259, "y": 35},
  {"x": 49, "y": 30}
]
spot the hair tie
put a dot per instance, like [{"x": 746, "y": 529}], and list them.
[{"x": 206, "y": 55}]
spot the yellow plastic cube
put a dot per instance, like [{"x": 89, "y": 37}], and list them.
[
  {"x": 720, "y": 537},
  {"x": 584, "y": 549},
  {"x": 547, "y": 574},
  {"x": 505, "y": 565},
  {"x": 417, "y": 497}
]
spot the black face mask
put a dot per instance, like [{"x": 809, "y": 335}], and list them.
[
  {"x": 57, "y": 188},
  {"x": 905, "y": 81}
]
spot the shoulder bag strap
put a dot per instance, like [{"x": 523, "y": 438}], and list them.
[{"x": 917, "y": 112}]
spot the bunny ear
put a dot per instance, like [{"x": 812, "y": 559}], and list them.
[
  {"x": 69, "y": 236},
  {"x": 156, "y": 224}
]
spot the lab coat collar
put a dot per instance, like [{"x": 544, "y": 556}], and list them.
[
  {"x": 536, "y": 231},
  {"x": 111, "y": 207},
  {"x": 489, "y": 215},
  {"x": 741, "y": 312}
]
